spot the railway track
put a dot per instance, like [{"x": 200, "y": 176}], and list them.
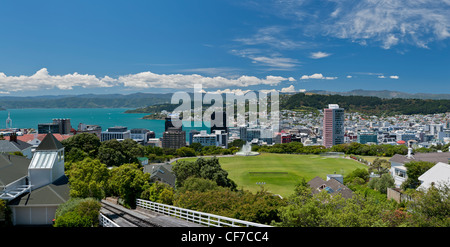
[{"x": 126, "y": 218}]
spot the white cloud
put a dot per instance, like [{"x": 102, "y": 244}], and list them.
[
  {"x": 271, "y": 36},
  {"x": 289, "y": 89},
  {"x": 349, "y": 76},
  {"x": 394, "y": 77},
  {"x": 319, "y": 54},
  {"x": 274, "y": 61},
  {"x": 180, "y": 81},
  {"x": 381, "y": 76},
  {"x": 386, "y": 23},
  {"x": 42, "y": 80},
  {"x": 317, "y": 76}
]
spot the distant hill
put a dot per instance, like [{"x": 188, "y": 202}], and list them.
[
  {"x": 85, "y": 101},
  {"x": 367, "y": 104},
  {"x": 385, "y": 94}
]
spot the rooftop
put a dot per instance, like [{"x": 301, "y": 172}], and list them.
[
  {"x": 429, "y": 157},
  {"x": 49, "y": 143}
]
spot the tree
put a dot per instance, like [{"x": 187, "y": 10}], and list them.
[
  {"x": 431, "y": 208},
  {"x": 383, "y": 183},
  {"x": 88, "y": 178},
  {"x": 261, "y": 207},
  {"x": 87, "y": 142},
  {"x": 202, "y": 168},
  {"x": 197, "y": 184},
  {"x": 185, "y": 152},
  {"x": 110, "y": 153},
  {"x": 128, "y": 181},
  {"x": 196, "y": 146},
  {"x": 359, "y": 174},
  {"x": 75, "y": 154},
  {"x": 237, "y": 143},
  {"x": 131, "y": 150},
  {"x": 414, "y": 170},
  {"x": 158, "y": 192},
  {"x": 327, "y": 210},
  {"x": 380, "y": 166},
  {"x": 78, "y": 212}
]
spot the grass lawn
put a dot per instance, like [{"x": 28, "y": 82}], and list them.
[
  {"x": 372, "y": 158},
  {"x": 281, "y": 172}
]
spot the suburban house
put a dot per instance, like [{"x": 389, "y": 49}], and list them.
[
  {"x": 398, "y": 169},
  {"x": 15, "y": 145},
  {"x": 332, "y": 186},
  {"x": 35, "y": 188},
  {"x": 436, "y": 175},
  {"x": 161, "y": 172}
]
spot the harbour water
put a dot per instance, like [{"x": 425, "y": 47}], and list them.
[{"x": 104, "y": 117}]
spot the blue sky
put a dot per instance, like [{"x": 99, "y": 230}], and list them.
[{"x": 62, "y": 47}]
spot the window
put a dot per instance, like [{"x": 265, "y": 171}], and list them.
[{"x": 400, "y": 173}]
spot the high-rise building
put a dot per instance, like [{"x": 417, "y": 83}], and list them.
[
  {"x": 173, "y": 137},
  {"x": 63, "y": 125},
  {"x": 58, "y": 126},
  {"x": 333, "y": 125}
]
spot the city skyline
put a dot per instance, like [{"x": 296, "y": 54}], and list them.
[{"x": 57, "y": 48}]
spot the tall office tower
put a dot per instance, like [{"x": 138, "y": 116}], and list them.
[
  {"x": 63, "y": 125},
  {"x": 173, "y": 137},
  {"x": 333, "y": 125}
]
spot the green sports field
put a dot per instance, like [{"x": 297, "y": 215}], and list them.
[{"x": 280, "y": 172}]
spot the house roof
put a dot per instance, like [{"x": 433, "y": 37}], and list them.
[
  {"x": 49, "y": 143},
  {"x": 40, "y": 137},
  {"x": 12, "y": 168},
  {"x": 429, "y": 157},
  {"x": 55, "y": 193},
  {"x": 439, "y": 173},
  {"x": 331, "y": 186},
  {"x": 162, "y": 172},
  {"x": 13, "y": 146}
]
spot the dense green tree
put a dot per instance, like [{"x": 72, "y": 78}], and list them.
[
  {"x": 128, "y": 181},
  {"x": 86, "y": 142},
  {"x": 185, "y": 152},
  {"x": 131, "y": 150},
  {"x": 359, "y": 174},
  {"x": 196, "y": 146},
  {"x": 382, "y": 183},
  {"x": 88, "y": 178},
  {"x": 78, "y": 212},
  {"x": 111, "y": 153},
  {"x": 158, "y": 192},
  {"x": 430, "y": 208},
  {"x": 75, "y": 154},
  {"x": 237, "y": 143},
  {"x": 261, "y": 207},
  {"x": 326, "y": 210},
  {"x": 203, "y": 168},
  {"x": 197, "y": 184}
]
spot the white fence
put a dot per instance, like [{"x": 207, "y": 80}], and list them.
[
  {"x": 106, "y": 222},
  {"x": 195, "y": 216}
]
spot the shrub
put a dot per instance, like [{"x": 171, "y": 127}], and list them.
[{"x": 78, "y": 212}]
